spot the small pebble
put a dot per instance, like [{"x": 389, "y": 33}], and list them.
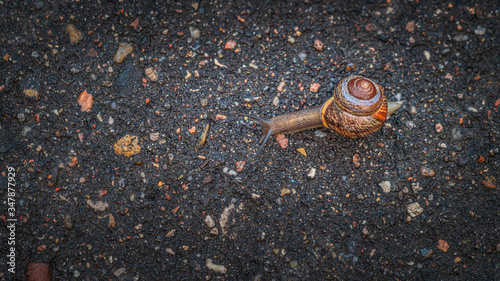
[
  {"x": 231, "y": 44},
  {"x": 124, "y": 49},
  {"x": 226, "y": 170},
  {"x": 386, "y": 186},
  {"x": 318, "y": 45},
  {"x": 319, "y": 134},
  {"x": 490, "y": 182},
  {"x": 195, "y": 32},
  {"x": 356, "y": 160},
  {"x": 285, "y": 191},
  {"x": 209, "y": 221},
  {"x": 282, "y": 140},
  {"x": 427, "y": 172},
  {"x": 21, "y": 117},
  {"x": 276, "y": 101},
  {"x": 413, "y": 109},
  {"x": 25, "y": 131},
  {"x": 439, "y": 128},
  {"x": 315, "y": 87},
  {"x": 302, "y": 55},
  {"x": 151, "y": 73},
  {"x": 461, "y": 38},
  {"x": 240, "y": 165},
  {"x": 427, "y": 55},
  {"x": 119, "y": 272},
  {"x": 414, "y": 209},
  {"x": 302, "y": 151},
  {"x": 410, "y": 26},
  {"x": 216, "y": 268},
  {"x": 99, "y": 206},
  {"x": 443, "y": 245},
  {"x": 85, "y": 100},
  {"x": 312, "y": 173},
  {"x": 154, "y": 136},
  {"x": 67, "y": 222},
  {"x": 371, "y": 27},
  {"x": 350, "y": 67},
  {"x": 74, "y": 34},
  {"x": 291, "y": 39},
  {"x": 480, "y": 30},
  {"x": 281, "y": 85},
  {"x": 134, "y": 24}
]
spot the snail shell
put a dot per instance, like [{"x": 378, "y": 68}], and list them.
[{"x": 358, "y": 108}]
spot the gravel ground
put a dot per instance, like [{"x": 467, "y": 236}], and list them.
[{"x": 113, "y": 182}]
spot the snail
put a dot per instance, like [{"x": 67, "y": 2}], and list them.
[{"x": 357, "y": 108}]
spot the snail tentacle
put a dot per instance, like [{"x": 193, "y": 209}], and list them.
[
  {"x": 392, "y": 106},
  {"x": 265, "y": 125}
]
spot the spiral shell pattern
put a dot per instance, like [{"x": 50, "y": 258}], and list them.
[{"x": 357, "y": 108}]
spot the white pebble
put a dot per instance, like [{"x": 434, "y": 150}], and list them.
[
  {"x": 229, "y": 172},
  {"x": 209, "y": 221},
  {"x": 276, "y": 101},
  {"x": 480, "y": 30},
  {"x": 386, "y": 186},
  {"x": 319, "y": 134},
  {"x": 427, "y": 55},
  {"x": 312, "y": 173}
]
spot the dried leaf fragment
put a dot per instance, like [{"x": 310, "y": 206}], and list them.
[
  {"x": 302, "y": 151},
  {"x": 204, "y": 135}
]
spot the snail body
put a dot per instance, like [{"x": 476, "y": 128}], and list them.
[{"x": 357, "y": 108}]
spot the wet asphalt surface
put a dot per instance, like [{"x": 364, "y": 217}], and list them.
[{"x": 94, "y": 215}]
